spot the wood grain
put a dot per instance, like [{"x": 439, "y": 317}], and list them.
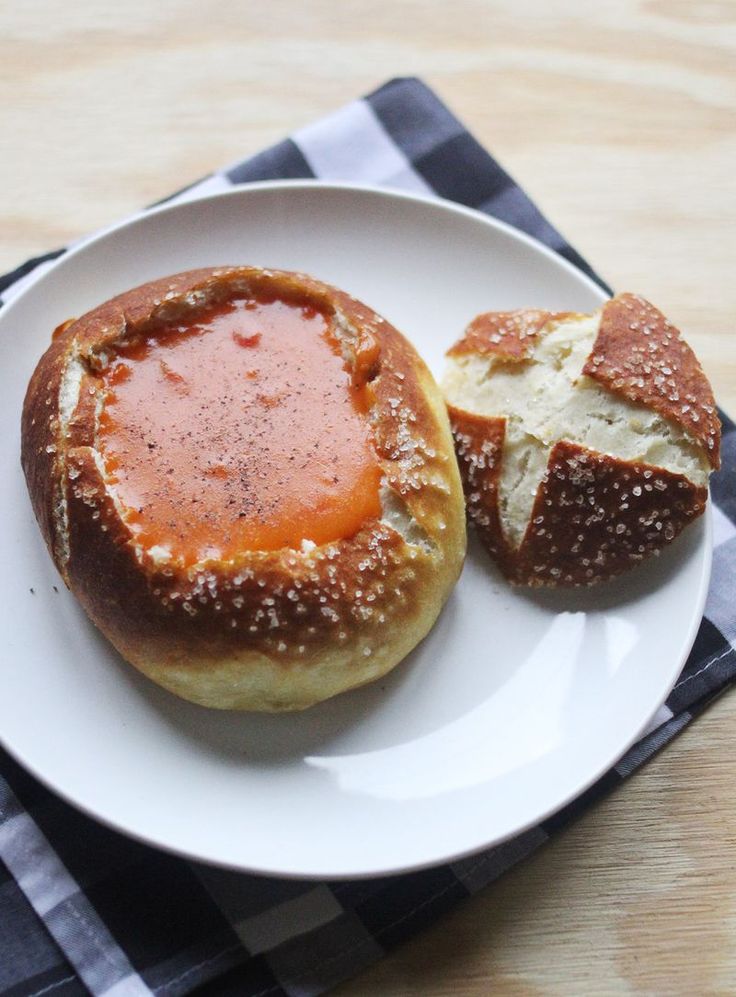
[{"x": 619, "y": 119}]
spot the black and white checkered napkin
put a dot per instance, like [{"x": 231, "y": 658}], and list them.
[{"x": 84, "y": 909}]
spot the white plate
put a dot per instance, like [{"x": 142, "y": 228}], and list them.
[{"x": 515, "y": 703}]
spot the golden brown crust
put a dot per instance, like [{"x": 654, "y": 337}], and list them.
[
  {"x": 595, "y": 516},
  {"x": 505, "y": 335},
  {"x": 479, "y": 447},
  {"x": 267, "y": 630},
  {"x": 640, "y": 355}
]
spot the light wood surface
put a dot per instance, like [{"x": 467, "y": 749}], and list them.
[{"x": 618, "y": 118}]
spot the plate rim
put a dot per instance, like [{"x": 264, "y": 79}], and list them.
[
  {"x": 375, "y": 869},
  {"x": 172, "y": 205}
]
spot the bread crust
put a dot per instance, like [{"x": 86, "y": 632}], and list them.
[
  {"x": 640, "y": 355},
  {"x": 274, "y": 630},
  {"x": 594, "y": 515},
  {"x": 505, "y": 335}
]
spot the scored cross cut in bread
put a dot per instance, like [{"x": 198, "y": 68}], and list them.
[
  {"x": 584, "y": 441},
  {"x": 247, "y": 479}
]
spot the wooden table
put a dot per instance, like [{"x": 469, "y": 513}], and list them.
[{"x": 620, "y": 123}]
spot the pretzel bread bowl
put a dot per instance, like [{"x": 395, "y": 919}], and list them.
[
  {"x": 247, "y": 479},
  {"x": 585, "y": 442}
]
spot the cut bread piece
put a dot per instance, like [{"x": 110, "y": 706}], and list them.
[{"x": 568, "y": 426}]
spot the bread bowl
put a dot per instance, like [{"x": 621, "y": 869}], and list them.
[
  {"x": 313, "y": 444},
  {"x": 585, "y": 442}
]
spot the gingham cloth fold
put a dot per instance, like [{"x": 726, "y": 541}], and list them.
[{"x": 84, "y": 909}]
